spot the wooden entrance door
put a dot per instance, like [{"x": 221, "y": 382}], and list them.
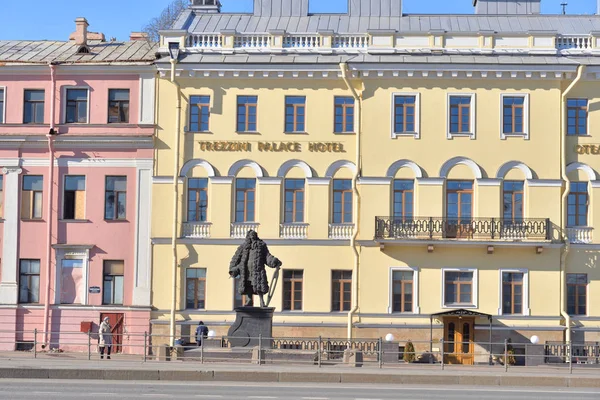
[
  {"x": 116, "y": 323},
  {"x": 459, "y": 209},
  {"x": 458, "y": 340}
]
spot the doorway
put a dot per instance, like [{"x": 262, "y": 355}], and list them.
[
  {"x": 116, "y": 323},
  {"x": 459, "y": 209},
  {"x": 458, "y": 340}
]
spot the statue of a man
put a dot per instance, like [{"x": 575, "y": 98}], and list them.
[{"x": 248, "y": 263}]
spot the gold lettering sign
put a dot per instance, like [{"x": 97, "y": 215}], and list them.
[
  {"x": 276, "y": 147},
  {"x": 587, "y": 149}
]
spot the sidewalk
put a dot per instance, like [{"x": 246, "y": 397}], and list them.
[{"x": 65, "y": 366}]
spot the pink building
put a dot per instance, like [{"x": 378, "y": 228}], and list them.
[{"x": 76, "y": 140}]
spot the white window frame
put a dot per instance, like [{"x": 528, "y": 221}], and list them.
[
  {"x": 416, "y": 307},
  {"x": 450, "y": 135},
  {"x": 417, "y": 133},
  {"x": 475, "y": 291},
  {"x": 3, "y": 109},
  {"x": 63, "y": 107},
  {"x": 525, "y": 272},
  {"x": 72, "y": 254},
  {"x": 525, "y": 134}
]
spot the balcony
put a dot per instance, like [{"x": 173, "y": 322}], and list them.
[
  {"x": 341, "y": 231},
  {"x": 293, "y": 231},
  {"x": 428, "y": 228},
  {"x": 239, "y": 230},
  {"x": 196, "y": 230},
  {"x": 580, "y": 234}
]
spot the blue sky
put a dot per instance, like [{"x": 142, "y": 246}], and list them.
[{"x": 53, "y": 19}]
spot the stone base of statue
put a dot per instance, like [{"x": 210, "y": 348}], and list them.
[{"x": 250, "y": 324}]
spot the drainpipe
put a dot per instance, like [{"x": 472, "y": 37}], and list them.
[
  {"x": 563, "y": 215},
  {"x": 353, "y": 245},
  {"x": 50, "y": 137},
  {"x": 174, "y": 234}
]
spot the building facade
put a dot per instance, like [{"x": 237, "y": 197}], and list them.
[
  {"x": 76, "y": 127},
  {"x": 433, "y": 177}
]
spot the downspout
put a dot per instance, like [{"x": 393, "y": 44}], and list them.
[
  {"x": 174, "y": 234},
  {"x": 563, "y": 218},
  {"x": 357, "y": 172},
  {"x": 50, "y": 137}
]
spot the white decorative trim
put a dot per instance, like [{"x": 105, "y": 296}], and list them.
[
  {"x": 583, "y": 167},
  {"x": 525, "y": 133},
  {"x": 145, "y": 163},
  {"x": 506, "y": 167},
  {"x": 417, "y": 133},
  {"x": 81, "y": 253},
  {"x": 63, "y": 101},
  {"x": 143, "y": 254},
  {"x": 472, "y": 110},
  {"x": 318, "y": 181},
  {"x": 189, "y": 165},
  {"x": 525, "y": 293},
  {"x": 286, "y": 166},
  {"x": 238, "y": 165},
  {"x": 393, "y": 169},
  {"x": 544, "y": 182},
  {"x": 221, "y": 180},
  {"x": 269, "y": 181},
  {"x": 415, "y": 271},
  {"x": 448, "y": 165},
  {"x": 9, "y": 292},
  {"x": 3, "y": 110},
  {"x": 366, "y": 180},
  {"x": 489, "y": 182},
  {"x": 337, "y": 165},
  {"x": 595, "y": 184},
  {"x": 431, "y": 181},
  {"x": 147, "y": 97},
  {"x": 474, "y": 285}
]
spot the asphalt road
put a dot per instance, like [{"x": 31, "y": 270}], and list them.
[{"x": 55, "y": 390}]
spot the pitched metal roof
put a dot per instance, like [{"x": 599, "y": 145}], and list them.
[
  {"x": 344, "y": 23},
  {"x": 45, "y": 51}
]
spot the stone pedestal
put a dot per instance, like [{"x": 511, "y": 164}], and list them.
[{"x": 250, "y": 323}]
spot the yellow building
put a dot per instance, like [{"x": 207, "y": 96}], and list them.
[{"x": 419, "y": 175}]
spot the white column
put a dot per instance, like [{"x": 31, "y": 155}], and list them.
[
  {"x": 141, "y": 286},
  {"x": 147, "y": 92},
  {"x": 9, "y": 290}
]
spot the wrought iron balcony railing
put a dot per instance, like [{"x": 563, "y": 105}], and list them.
[{"x": 462, "y": 228}]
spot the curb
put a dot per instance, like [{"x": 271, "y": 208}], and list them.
[{"x": 290, "y": 377}]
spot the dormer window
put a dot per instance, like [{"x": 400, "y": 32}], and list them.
[{"x": 207, "y": 6}]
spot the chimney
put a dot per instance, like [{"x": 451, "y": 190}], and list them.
[
  {"x": 80, "y": 35},
  {"x": 134, "y": 36},
  {"x": 206, "y": 6},
  {"x": 507, "y": 7}
]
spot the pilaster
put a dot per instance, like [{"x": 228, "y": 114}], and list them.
[
  {"x": 142, "y": 274},
  {"x": 9, "y": 286}
]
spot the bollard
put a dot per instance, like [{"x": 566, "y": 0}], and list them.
[
  {"x": 260, "y": 349},
  {"x": 505, "y": 355},
  {"x": 380, "y": 353},
  {"x": 319, "y": 356},
  {"x": 145, "y": 345},
  {"x": 571, "y": 357},
  {"x": 202, "y": 351},
  {"x": 442, "y": 352},
  {"x": 89, "y": 346},
  {"x": 35, "y": 343}
]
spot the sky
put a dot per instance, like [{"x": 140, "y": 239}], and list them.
[{"x": 54, "y": 19}]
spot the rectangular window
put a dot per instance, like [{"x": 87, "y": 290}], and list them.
[
  {"x": 115, "y": 198},
  {"x": 577, "y": 116},
  {"x": 118, "y": 106},
  {"x": 342, "y": 201},
  {"x": 77, "y": 106},
  {"x": 295, "y": 113},
  {"x": 402, "y": 291},
  {"x": 405, "y": 114},
  {"x": 294, "y": 201},
  {"x": 74, "y": 197},
  {"x": 1, "y": 105},
  {"x": 403, "y": 199},
  {"x": 72, "y": 285},
  {"x": 577, "y": 294},
  {"x": 195, "y": 283},
  {"x": 32, "y": 196},
  {"x": 513, "y": 115},
  {"x": 344, "y": 114},
  {"x": 577, "y": 204},
  {"x": 341, "y": 290},
  {"x": 33, "y": 108},
  {"x": 245, "y": 192},
  {"x": 460, "y": 114},
  {"x": 292, "y": 290},
  {"x": 513, "y": 200},
  {"x": 114, "y": 271},
  {"x": 199, "y": 113},
  {"x": 197, "y": 199},
  {"x": 246, "y": 113},
  {"x": 458, "y": 287},
  {"x": 512, "y": 293},
  {"x": 29, "y": 281}
]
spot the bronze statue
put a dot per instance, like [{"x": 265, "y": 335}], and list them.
[{"x": 248, "y": 263}]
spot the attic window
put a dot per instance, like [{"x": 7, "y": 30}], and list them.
[
  {"x": 83, "y": 50},
  {"x": 204, "y": 2}
]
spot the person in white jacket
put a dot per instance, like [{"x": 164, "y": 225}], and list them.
[{"x": 105, "y": 338}]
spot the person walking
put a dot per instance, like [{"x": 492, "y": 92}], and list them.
[
  {"x": 105, "y": 338},
  {"x": 201, "y": 333}
]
